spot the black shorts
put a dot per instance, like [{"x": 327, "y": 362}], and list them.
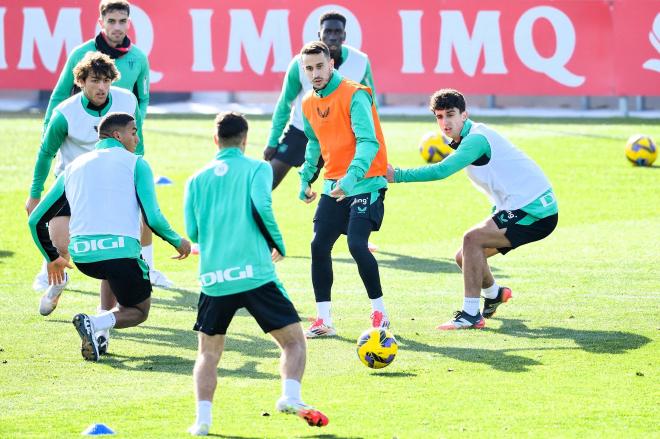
[
  {"x": 351, "y": 208},
  {"x": 267, "y": 304},
  {"x": 65, "y": 210},
  {"x": 292, "y": 149},
  {"x": 518, "y": 234},
  {"x": 128, "y": 278}
]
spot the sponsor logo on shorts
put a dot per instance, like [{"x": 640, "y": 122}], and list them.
[
  {"x": 226, "y": 275},
  {"x": 506, "y": 216},
  {"x": 98, "y": 244}
]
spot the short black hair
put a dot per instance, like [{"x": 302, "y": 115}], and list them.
[
  {"x": 112, "y": 122},
  {"x": 231, "y": 128},
  {"x": 447, "y": 98},
  {"x": 332, "y": 15},
  {"x": 314, "y": 48}
]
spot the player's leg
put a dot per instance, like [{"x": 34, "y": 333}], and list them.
[
  {"x": 290, "y": 153},
  {"x": 292, "y": 365},
  {"x": 205, "y": 378},
  {"x": 156, "y": 277},
  {"x": 280, "y": 169},
  {"x": 329, "y": 223},
  {"x": 58, "y": 228},
  {"x": 476, "y": 271},
  {"x": 108, "y": 302},
  {"x": 366, "y": 215},
  {"x": 276, "y": 315},
  {"x": 214, "y": 314}
]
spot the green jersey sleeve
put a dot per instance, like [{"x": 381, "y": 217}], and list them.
[
  {"x": 56, "y": 132},
  {"x": 146, "y": 193},
  {"x": 142, "y": 89},
  {"x": 312, "y": 156},
  {"x": 190, "y": 219},
  {"x": 46, "y": 210},
  {"x": 472, "y": 147},
  {"x": 262, "y": 203},
  {"x": 291, "y": 88},
  {"x": 366, "y": 143}
]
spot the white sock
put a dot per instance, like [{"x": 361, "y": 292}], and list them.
[
  {"x": 291, "y": 390},
  {"x": 323, "y": 312},
  {"x": 471, "y": 305},
  {"x": 105, "y": 332},
  {"x": 103, "y": 321},
  {"x": 491, "y": 291},
  {"x": 148, "y": 255},
  {"x": 203, "y": 413},
  {"x": 378, "y": 305}
]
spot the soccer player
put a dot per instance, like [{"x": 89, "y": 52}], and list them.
[
  {"x": 343, "y": 128},
  {"x": 524, "y": 204},
  {"x": 350, "y": 62},
  {"x": 72, "y": 131},
  {"x": 228, "y": 212},
  {"x": 105, "y": 190},
  {"x": 133, "y": 66}
]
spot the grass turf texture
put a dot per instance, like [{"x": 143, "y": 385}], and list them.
[{"x": 574, "y": 354}]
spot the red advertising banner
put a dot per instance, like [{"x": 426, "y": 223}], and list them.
[{"x": 526, "y": 47}]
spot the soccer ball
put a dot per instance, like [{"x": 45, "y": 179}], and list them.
[
  {"x": 434, "y": 147},
  {"x": 641, "y": 150},
  {"x": 376, "y": 348}
]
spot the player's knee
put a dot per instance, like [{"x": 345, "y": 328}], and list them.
[
  {"x": 357, "y": 247},
  {"x": 459, "y": 258},
  {"x": 320, "y": 247},
  {"x": 471, "y": 238}
]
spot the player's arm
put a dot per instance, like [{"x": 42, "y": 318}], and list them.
[
  {"x": 139, "y": 119},
  {"x": 262, "y": 207},
  {"x": 471, "y": 148},
  {"x": 146, "y": 193},
  {"x": 291, "y": 88},
  {"x": 46, "y": 210},
  {"x": 141, "y": 89},
  {"x": 189, "y": 216},
  {"x": 368, "y": 80},
  {"x": 367, "y": 145},
  {"x": 312, "y": 157},
  {"x": 56, "y": 132},
  {"x": 63, "y": 87}
]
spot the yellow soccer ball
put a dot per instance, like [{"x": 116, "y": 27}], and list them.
[
  {"x": 434, "y": 147},
  {"x": 376, "y": 348},
  {"x": 640, "y": 150}
]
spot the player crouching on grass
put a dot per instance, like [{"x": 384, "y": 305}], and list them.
[
  {"x": 228, "y": 210},
  {"x": 525, "y": 208},
  {"x": 105, "y": 189}
]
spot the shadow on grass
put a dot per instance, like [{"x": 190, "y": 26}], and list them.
[
  {"x": 506, "y": 360},
  {"x": 594, "y": 341},
  {"x": 181, "y": 366},
  {"x": 330, "y": 436},
  {"x": 387, "y": 374},
  {"x": 409, "y": 263},
  {"x": 500, "y": 359},
  {"x": 5, "y": 254}
]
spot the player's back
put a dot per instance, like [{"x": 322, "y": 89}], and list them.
[{"x": 235, "y": 255}]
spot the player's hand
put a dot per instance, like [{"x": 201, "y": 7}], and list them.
[
  {"x": 269, "y": 152},
  {"x": 183, "y": 249},
  {"x": 275, "y": 256},
  {"x": 338, "y": 193},
  {"x": 56, "y": 270},
  {"x": 30, "y": 204},
  {"x": 309, "y": 195},
  {"x": 390, "y": 173}
]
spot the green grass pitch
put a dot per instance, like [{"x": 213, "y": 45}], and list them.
[{"x": 574, "y": 354}]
